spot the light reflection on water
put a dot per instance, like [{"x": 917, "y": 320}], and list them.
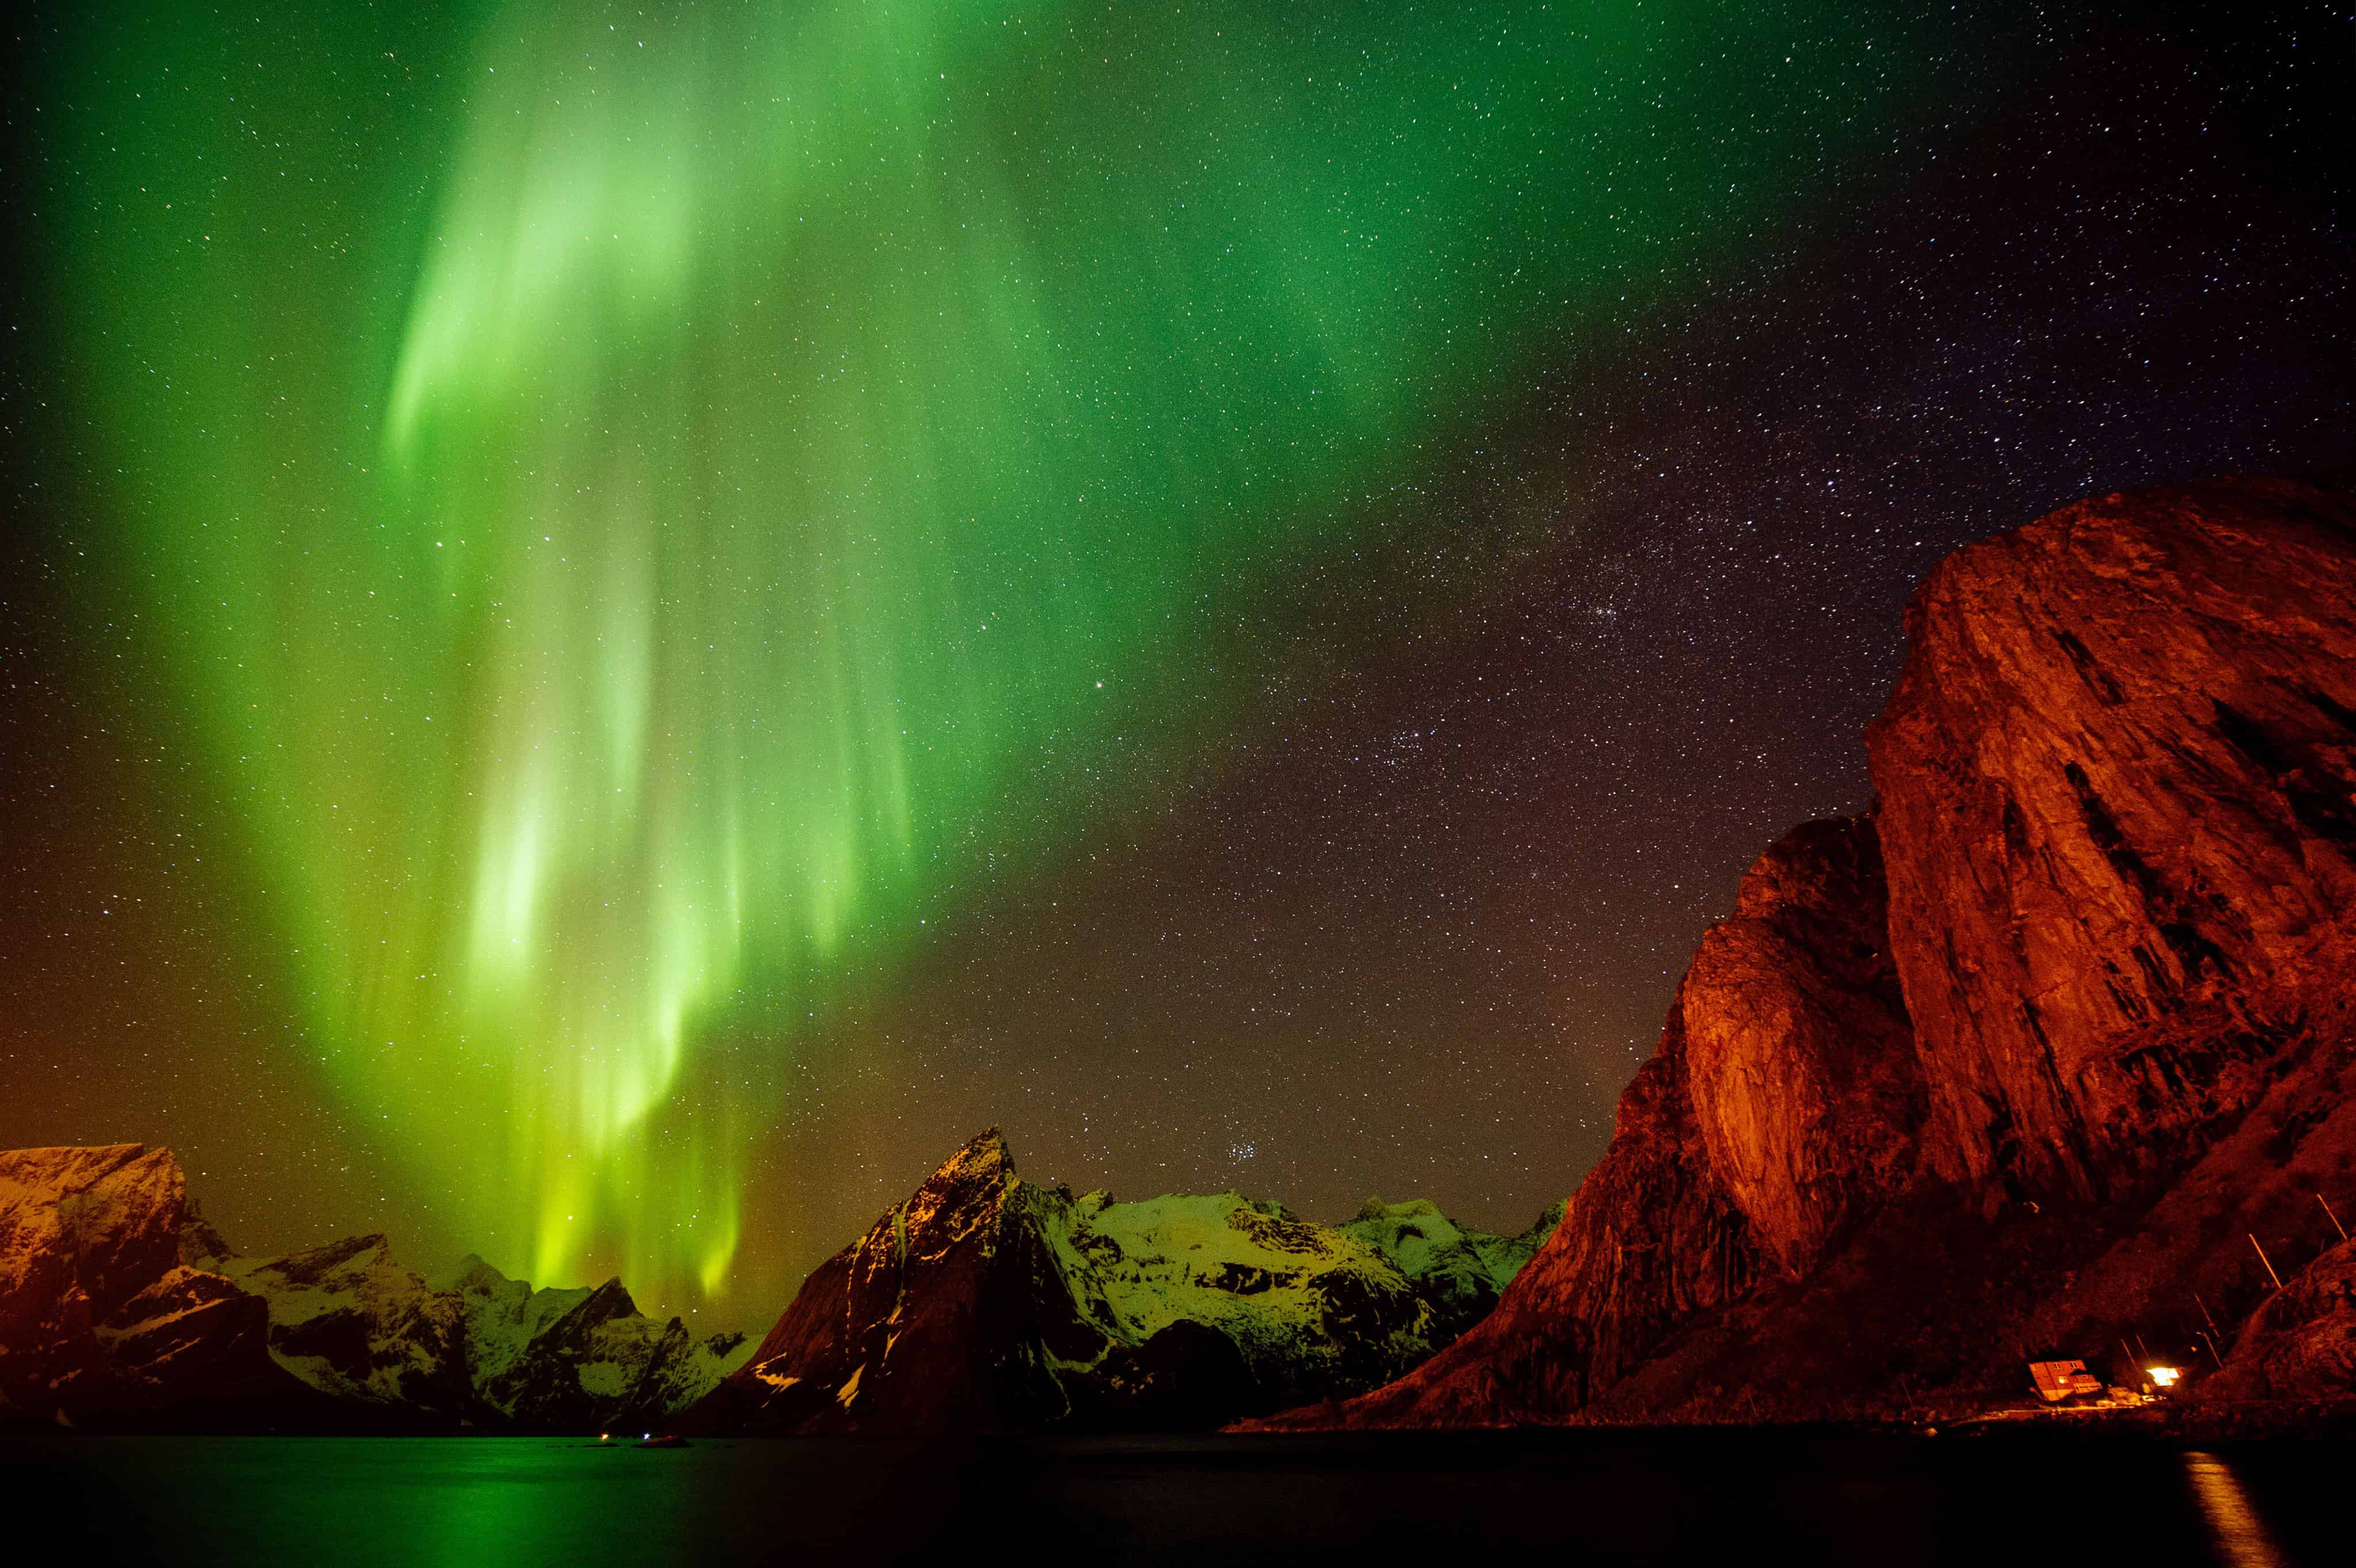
[
  {"x": 2234, "y": 1527},
  {"x": 1583, "y": 1499}
]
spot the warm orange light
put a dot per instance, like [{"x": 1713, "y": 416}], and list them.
[{"x": 2163, "y": 1377}]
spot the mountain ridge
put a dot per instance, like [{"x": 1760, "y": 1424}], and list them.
[
  {"x": 121, "y": 1308},
  {"x": 2033, "y": 1052},
  {"x": 986, "y": 1304}
]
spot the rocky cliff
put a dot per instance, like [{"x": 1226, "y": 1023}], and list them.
[
  {"x": 121, "y": 1309},
  {"x": 988, "y": 1303},
  {"x": 2029, "y": 1055},
  {"x": 2115, "y": 780},
  {"x": 100, "y": 1316}
]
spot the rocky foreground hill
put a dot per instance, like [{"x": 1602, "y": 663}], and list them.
[
  {"x": 121, "y": 1309},
  {"x": 988, "y": 1303},
  {"x": 2042, "y": 1052}
]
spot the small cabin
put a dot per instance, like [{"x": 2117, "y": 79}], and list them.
[{"x": 2060, "y": 1380}]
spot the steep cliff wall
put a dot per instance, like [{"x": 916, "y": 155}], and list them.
[
  {"x": 946, "y": 1316},
  {"x": 100, "y": 1319},
  {"x": 1798, "y": 1058},
  {"x": 1780, "y": 1111},
  {"x": 2115, "y": 783},
  {"x": 2026, "y": 1052}
]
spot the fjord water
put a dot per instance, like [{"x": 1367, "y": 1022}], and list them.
[{"x": 1588, "y": 1497}]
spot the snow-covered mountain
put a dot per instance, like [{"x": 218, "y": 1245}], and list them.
[
  {"x": 120, "y": 1306},
  {"x": 577, "y": 1359},
  {"x": 986, "y": 1302},
  {"x": 983, "y": 1303},
  {"x": 350, "y": 1322},
  {"x": 102, "y": 1320},
  {"x": 1461, "y": 1273}
]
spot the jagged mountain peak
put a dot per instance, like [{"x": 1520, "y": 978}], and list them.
[
  {"x": 106, "y": 1317},
  {"x": 971, "y": 1183},
  {"x": 982, "y": 1159},
  {"x": 610, "y": 1300},
  {"x": 312, "y": 1264},
  {"x": 984, "y": 1303},
  {"x": 469, "y": 1273}
]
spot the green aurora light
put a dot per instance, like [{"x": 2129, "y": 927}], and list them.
[{"x": 639, "y": 503}]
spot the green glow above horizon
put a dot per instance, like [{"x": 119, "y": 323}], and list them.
[{"x": 641, "y": 507}]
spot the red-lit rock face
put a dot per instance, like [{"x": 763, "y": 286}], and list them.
[
  {"x": 1781, "y": 1106},
  {"x": 1798, "y": 1060},
  {"x": 2116, "y": 889},
  {"x": 2115, "y": 782},
  {"x": 93, "y": 1226},
  {"x": 1650, "y": 1239},
  {"x": 2301, "y": 1345},
  {"x": 98, "y": 1315}
]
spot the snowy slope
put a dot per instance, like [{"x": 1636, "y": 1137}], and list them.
[
  {"x": 351, "y": 1322},
  {"x": 473, "y": 1346},
  {"x": 1308, "y": 1305},
  {"x": 582, "y": 1358},
  {"x": 1462, "y": 1273}
]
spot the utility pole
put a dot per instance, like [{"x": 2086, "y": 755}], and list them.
[
  {"x": 2334, "y": 1217},
  {"x": 2264, "y": 1259}
]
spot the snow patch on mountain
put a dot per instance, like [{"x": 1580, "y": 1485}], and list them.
[
  {"x": 1249, "y": 1268},
  {"x": 1463, "y": 1272},
  {"x": 351, "y": 1322}
]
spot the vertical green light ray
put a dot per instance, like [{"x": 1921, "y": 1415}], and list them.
[{"x": 639, "y": 516}]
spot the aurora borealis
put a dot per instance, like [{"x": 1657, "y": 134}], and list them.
[{"x": 658, "y": 528}]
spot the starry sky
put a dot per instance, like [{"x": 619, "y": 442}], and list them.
[{"x": 620, "y": 625}]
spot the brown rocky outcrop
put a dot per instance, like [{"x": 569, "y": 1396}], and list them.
[
  {"x": 2300, "y": 1345},
  {"x": 941, "y": 1319},
  {"x": 1780, "y": 1108},
  {"x": 2025, "y": 1053},
  {"x": 100, "y": 1319}
]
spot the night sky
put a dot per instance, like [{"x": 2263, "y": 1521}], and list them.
[{"x": 620, "y": 626}]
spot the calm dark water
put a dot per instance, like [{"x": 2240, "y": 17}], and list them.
[{"x": 1586, "y": 1497}]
